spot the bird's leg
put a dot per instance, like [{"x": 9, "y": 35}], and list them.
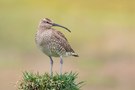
[
  {"x": 61, "y": 63},
  {"x": 51, "y": 62}
]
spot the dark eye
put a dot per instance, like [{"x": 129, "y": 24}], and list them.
[{"x": 47, "y": 22}]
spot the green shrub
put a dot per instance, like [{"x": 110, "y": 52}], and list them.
[{"x": 33, "y": 81}]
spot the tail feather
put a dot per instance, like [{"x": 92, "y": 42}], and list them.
[{"x": 75, "y": 55}]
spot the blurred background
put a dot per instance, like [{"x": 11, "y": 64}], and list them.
[{"x": 103, "y": 34}]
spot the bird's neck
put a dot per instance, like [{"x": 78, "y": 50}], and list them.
[{"x": 43, "y": 28}]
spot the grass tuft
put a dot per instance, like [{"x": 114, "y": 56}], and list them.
[{"x": 65, "y": 81}]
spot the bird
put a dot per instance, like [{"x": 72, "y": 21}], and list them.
[{"x": 52, "y": 42}]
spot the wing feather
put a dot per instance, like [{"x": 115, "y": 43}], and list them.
[{"x": 63, "y": 41}]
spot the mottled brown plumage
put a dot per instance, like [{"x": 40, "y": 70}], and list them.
[{"x": 52, "y": 42}]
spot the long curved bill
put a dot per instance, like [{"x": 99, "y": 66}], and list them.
[{"x": 54, "y": 24}]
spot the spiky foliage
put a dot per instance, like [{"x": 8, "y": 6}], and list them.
[{"x": 33, "y": 81}]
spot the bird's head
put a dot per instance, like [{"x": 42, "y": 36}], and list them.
[{"x": 47, "y": 23}]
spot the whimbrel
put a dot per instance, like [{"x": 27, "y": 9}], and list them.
[{"x": 53, "y": 43}]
